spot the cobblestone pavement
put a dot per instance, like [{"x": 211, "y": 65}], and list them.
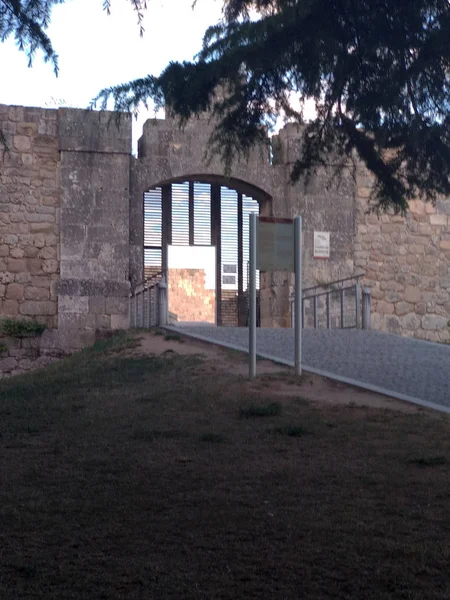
[{"x": 400, "y": 366}]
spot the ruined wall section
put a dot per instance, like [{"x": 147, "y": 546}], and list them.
[
  {"x": 29, "y": 214},
  {"x": 406, "y": 261}
]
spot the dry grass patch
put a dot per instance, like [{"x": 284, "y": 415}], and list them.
[{"x": 134, "y": 476}]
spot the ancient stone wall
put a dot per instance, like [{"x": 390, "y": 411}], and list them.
[
  {"x": 29, "y": 214},
  {"x": 21, "y": 355},
  {"x": 71, "y": 224},
  {"x": 189, "y": 300},
  {"x": 406, "y": 261}
]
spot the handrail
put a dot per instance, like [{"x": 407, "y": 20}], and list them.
[
  {"x": 329, "y": 283},
  {"x": 153, "y": 279}
]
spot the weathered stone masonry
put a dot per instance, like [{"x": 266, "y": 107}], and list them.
[
  {"x": 29, "y": 214},
  {"x": 71, "y": 224}
]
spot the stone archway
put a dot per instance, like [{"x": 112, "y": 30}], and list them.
[{"x": 196, "y": 229}]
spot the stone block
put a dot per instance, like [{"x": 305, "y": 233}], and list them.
[
  {"x": 8, "y": 364},
  {"x": 102, "y": 321},
  {"x": 34, "y": 265},
  {"x": 4, "y": 250},
  {"x": 73, "y": 304},
  {"x": 17, "y": 265},
  {"x": 120, "y": 322},
  {"x": 410, "y": 322},
  {"x": 438, "y": 219},
  {"x": 14, "y": 291},
  {"x": 22, "y": 143},
  {"x": 35, "y": 308},
  {"x": 31, "y": 252},
  {"x": 97, "y": 305},
  {"x": 94, "y": 131},
  {"x": 385, "y": 308},
  {"x": 444, "y": 244},
  {"x": 403, "y": 308},
  {"x": 10, "y": 307},
  {"x": 412, "y": 294},
  {"x": 434, "y": 322},
  {"x": 42, "y": 227},
  {"x": 37, "y": 293},
  {"x": 417, "y": 207},
  {"x": 50, "y": 266},
  {"x": 16, "y": 253},
  {"x": 393, "y": 324}
]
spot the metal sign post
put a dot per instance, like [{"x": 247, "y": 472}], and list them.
[
  {"x": 252, "y": 298},
  {"x": 298, "y": 294},
  {"x": 275, "y": 244}
]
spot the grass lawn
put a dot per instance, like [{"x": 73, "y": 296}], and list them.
[{"x": 126, "y": 476}]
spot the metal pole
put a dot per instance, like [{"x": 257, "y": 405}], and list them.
[
  {"x": 328, "y": 311},
  {"x": 358, "y": 304},
  {"x": 366, "y": 309},
  {"x": 341, "y": 293},
  {"x": 252, "y": 299},
  {"x": 315, "y": 311},
  {"x": 298, "y": 294}
]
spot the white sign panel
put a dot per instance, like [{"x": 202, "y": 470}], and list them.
[
  {"x": 275, "y": 242},
  {"x": 321, "y": 244}
]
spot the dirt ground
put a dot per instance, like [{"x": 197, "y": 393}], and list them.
[
  {"x": 153, "y": 469},
  {"x": 272, "y": 378}
]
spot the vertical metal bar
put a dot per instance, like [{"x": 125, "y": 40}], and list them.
[
  {"x": 216, "y": 241},
  {"x": 166, "y": 238},
  {"x": 328, "y": 310},
  {"x": 135, "y": 309},
  {"x": 358, "y": 304},
  {"x": 341, "y": 294},
  {"x": 252, "y": 299},
  {"x": 303, "y": 313},
  {"x": 150, "y": 306},
  {"x": 298, "y": 293},
  {"x": 366, "y": 310},
  {"x": 241, "y": 308},
  {"x": 191, "y": 213},
  {"x": 315, "y": 311}
]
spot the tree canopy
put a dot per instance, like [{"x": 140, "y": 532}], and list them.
[{"x": 377, "y": 71}]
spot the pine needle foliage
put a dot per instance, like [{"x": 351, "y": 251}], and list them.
[{"x": 377, "y": 71}]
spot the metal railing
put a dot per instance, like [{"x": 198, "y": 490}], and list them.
[
  {"x": 148, "y": 305},
  {"x": 343, "y": 303}
]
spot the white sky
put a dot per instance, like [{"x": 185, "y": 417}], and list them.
[{"x": 96, "y": 50}]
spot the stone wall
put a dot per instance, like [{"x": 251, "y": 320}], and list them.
[
  {"x": 21, "y": 355},
  {"x": 71, "y": 225},
  {"x": 188, "y": 298},
  {"x": 29, "y": 214},
  {"x": 406, "y": 261}
]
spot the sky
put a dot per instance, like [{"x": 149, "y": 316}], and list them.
[{"x": 96, "y": 50}]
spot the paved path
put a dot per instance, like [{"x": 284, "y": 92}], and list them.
[{"x": 408, "y": 369}]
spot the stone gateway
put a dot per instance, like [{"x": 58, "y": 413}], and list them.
[{"x": 72, "y": 224}]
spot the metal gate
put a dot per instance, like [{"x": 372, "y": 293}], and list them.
[{"x": 194, "y": 213}]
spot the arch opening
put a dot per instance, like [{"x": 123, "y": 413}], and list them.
[{"x": 197, "y": 231}]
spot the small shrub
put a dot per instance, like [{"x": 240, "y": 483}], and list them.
[
  {"x": 19, "y": 328},
  {"x": 273, "y": 409},
  {"x": 291, "y": 430},
  {"x": 173, "y": 337},
  {"x": 429, "y": 461}
]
